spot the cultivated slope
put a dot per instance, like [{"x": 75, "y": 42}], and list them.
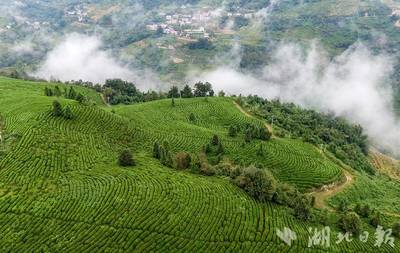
[
  {"x": 291, "y": 160},
  {"x": 61, "y": 190}
]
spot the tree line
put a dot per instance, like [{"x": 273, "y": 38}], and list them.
[{"x": 346, "y": 141}]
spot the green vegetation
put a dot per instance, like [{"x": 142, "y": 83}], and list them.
[
  {"x": 203, "y": 44},
  {"x": 117, "y": 91},
  {"x": 347, "y": 142},
  {"x": 303, "y": 166},
  {"x": 126, "y": 158},
  {"x": 350, "y": 222},
  {"x": 62, "y": 190}
]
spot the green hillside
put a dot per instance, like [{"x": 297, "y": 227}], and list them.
[
  {"x": 61, "y": 189},
  {"x": 291, "y": 160}
]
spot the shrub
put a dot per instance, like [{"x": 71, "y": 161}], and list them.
[
  {"x": 257, "y": 183},
  {"x": 375, "y": 220},
  {"x": 48, "y": 92},
  {"x": 57, "y": 91},
  {"x": 68, "y": 114},
  {"x": 363, "y": 211},
  {"x": 192, "y": 117},
  {"x": 215, "y": 140},
  {"x": 166, "y": 156},
  {"x": 224, "y": 169},
  {"x": 396, "y": 229},
  {"x": 80, "y": 98},
  {"x": 343, "y": 206},
  {"x": 247, "y": 135},
  {"x": 57, "y": 108},
  {"x": 126, "y": 159},
  {"x": 205, "y": 167},
  {"x": 324, "y": 217},
  {"x": 183, "y": 160},
  {"x": 220, "y": 149},
  {"x": 350, "y": 222},
  {"x": 284, "y": 194},
  {"x": 232, "y": 131},
  {"x": 260, "y": 150},
  {"x": 264, "y": 134},
  {"x": 236, "y": 171},
  {"x": 71, "y": 94},
  {"x": 301, "y": 207},
  {"x": 156, "y": 150}
]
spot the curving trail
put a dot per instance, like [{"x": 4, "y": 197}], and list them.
[
  {"x": 325, "y": 192},
  {"x": 268, "y": 126}
]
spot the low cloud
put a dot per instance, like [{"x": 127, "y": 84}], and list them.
[
  {"x": 263, "y": 14},
  {"x": 354, "y": 85},
  {"x": 80, "y": 57},
  {"x": 24, "y": 47}
]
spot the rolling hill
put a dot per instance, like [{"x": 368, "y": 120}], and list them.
[{"x": 61, "y": 188}]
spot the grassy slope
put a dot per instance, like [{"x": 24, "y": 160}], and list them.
[
  {"x": 381, "y": 192},
  {"x": 62, "y": 191}
]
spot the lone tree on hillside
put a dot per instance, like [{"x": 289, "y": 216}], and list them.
[
  {"x": 126, "y": 159},
  {"x": 183, "y": 160},
  {"x": 80, "y": 98},
  {"x": 57, "y": 108},
  {"x": 264, "y": 134},
  {"x": 396, "y": 229},
  {"x": 187, "y": 92},
  {"x": 173, "y": 92},
  {"x": 215, "y": 140},
  {"x": 71, "y": 93},
  {"x": 232, "y": 131},
  {"x": 57, "y": 91},
  {"x": 192, "y": 117},
  {"x": 48, "y": 91},
  {"x": 350, "y": 222},
  {"x": 68, "y": 114},
  {"x": 156, "y": 150}
]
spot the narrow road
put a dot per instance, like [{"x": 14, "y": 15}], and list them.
[
  {"x": 268, "y": 126},
  {"x": 326, "y": 191}
]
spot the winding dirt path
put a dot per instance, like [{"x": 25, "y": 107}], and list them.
[
  {"x": 326, "y": 191},
  {"x": 268, "y": 126}
]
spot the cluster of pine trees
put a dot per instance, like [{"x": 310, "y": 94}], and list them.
[
  {"x": 251, "y": 132},
  {"x": 163, "y": 153},
  {"x": 58, "y": 111},
  {"x": 200, "y": 90},
  {"x": 67, "y": 93}
]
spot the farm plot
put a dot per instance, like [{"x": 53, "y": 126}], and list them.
[
  {"x": 291, "y": 160},
  {"x": 61, "y": 190}
]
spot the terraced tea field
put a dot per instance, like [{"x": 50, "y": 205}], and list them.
[
  {"x": 62, "y": 191},
  {"x": 291, "y": 160}
]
